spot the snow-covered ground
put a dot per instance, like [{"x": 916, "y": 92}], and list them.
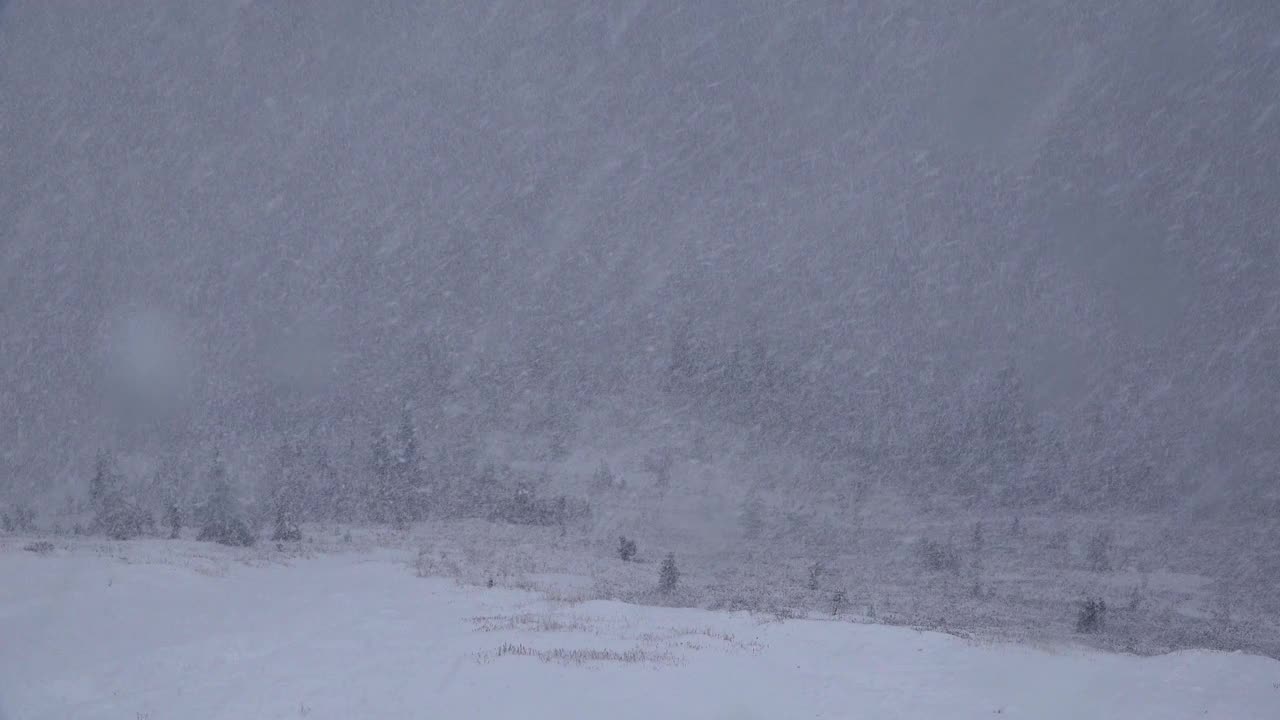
[{"x": 185, "y": 631}]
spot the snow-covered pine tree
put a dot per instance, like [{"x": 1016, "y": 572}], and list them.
[
  {"x": 332, "y": 497},
  {"x": 668, "y": 575},
  {"x": 113, "y": 515},
  {"x": 626, "y": 548},
  {"x": 287, "y": 495},
  {"x": 102, "y": 484},
  {"x": 173, "y": 519},
  {"x": 223, "y": 522},
  {"x": 381, "y": 497},
  {"x": 404, "y": 472}
]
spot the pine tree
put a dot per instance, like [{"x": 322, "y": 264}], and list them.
[
  {"x": 404, "y": 474},
  {"x": 480, "y": 493},
  {"x": 287, "y": 496},
  {"x": 668, "y": 575},
  {"x": 1092, "y": 617},
  {"x": 285, "y": 529},
  {"x": 1006, "y": 422},
  {"x": 113, "y": 515},
  {"x": 223, "y": 522},
  {"x": 626, "y": 548},
  {"x": 381, "y": 498},
  {"x": 173, "y": 519},
  {"x": 101, "y": 485},
  {"x": 333, "y": 496}
]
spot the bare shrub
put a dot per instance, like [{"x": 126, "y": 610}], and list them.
[
  {"x": 431, "y": 564},
  {"x": 40, "y": 547},
  {"x": 533, "y": 622},
  {"x": 580, "y": 656}
]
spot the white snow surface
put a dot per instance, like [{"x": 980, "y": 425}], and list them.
[{"x": 202, "y": 634}]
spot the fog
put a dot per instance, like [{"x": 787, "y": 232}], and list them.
[{"x": 993, "y": 255}]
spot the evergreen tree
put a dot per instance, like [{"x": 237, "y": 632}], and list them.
[
  {"x": 404, "y": 475},
  {"x": 1092, "y": 617},
  {"x": 287, "y": 495},
  {"x": 668, "y": 574},
  {"x": 407, "y": 436},
  {"x": 285, "y": 528},
  {"x": 481, "y": 494},
  {"x": 1006, "y": 423},
  {"x": 381, "y": 498},
  {"x": 626, "y": 548},
  {"x": 333, "y": 496},
  {"x": 102, "y": 484},
  {"x": 113, "y": 515},
  {"x": 168, "y": 488},
  {"x": 173, "y": 519},
  {"x": 223, "y": 522}
]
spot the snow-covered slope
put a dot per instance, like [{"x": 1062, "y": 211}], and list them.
[{"x": 194, "y": 633}]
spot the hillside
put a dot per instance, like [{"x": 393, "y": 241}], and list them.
[{"x": 220, "y": 220}]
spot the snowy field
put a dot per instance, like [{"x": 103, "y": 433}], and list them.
[{"x": 159, "y": 631}]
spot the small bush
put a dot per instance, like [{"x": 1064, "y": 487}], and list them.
[
  {"x": 41, "y": 547},
  {"x": 230, "y": 531},
  {"x": 668, "y": 575},
  {"x": 626, "y": 548},
  {"x": 122, "y": 520},
  {"x": 938, "y": 556},
  {"x": 579, "y": 656},
  {"x": 1092, "y": 617}
]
